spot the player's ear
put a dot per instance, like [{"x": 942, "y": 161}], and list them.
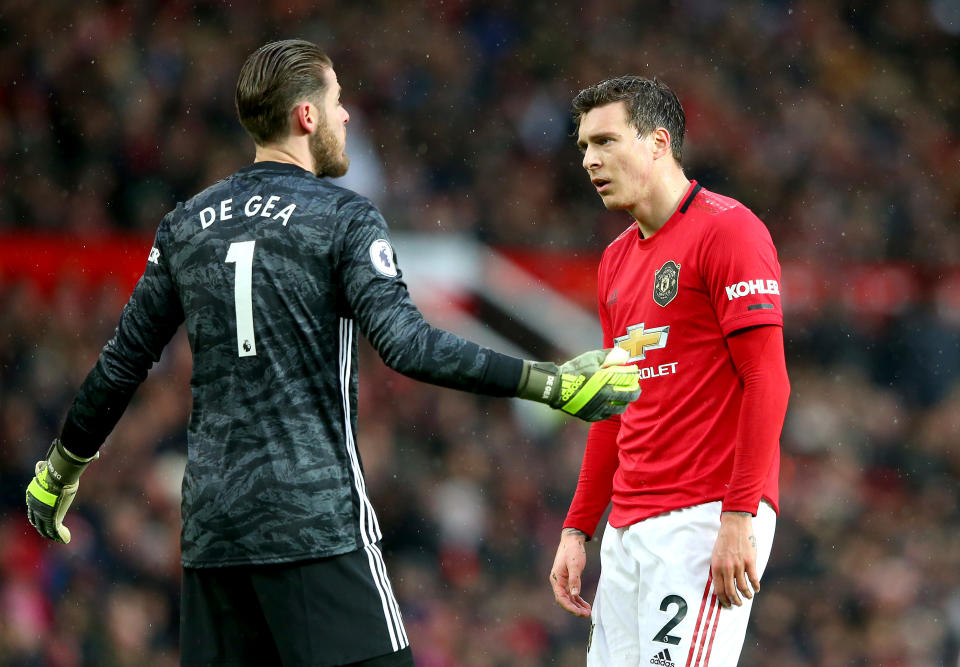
[
  {"x": 660, "y": 141},
  {"x": 306, "y": 117}
]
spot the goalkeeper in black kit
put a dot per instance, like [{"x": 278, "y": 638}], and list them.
[{"x": 276, "y": 272}]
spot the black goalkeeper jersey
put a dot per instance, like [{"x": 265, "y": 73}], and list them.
[{"x": 275, "y": 273}]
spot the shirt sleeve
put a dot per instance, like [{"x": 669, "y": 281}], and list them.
[
  {"x": 595, "y": 484},
  {"x": 742, "y": 272},
  {"x": 601, "y": 455},
  {"x": 377, "y": 298},
  {"x": 758, "y": 356},
  {"x": 147, "y": 323}
]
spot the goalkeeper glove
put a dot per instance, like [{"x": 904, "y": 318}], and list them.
[
  {"x": 52, "y": 489},
  {"x": 593, "y": 386}
]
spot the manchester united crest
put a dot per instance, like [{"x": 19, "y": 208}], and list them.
[{"x": 666, "y": 282}]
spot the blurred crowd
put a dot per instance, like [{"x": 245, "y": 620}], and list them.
[
  {"x": 838, "y": 122},
  {"x": 834, "y": 119}
]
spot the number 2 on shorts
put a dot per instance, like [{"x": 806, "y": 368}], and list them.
[
  {"x": 241, "y": 253},
  {"x": 663, "y": 635}
]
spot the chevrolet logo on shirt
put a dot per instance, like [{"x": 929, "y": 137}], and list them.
[{"x": 637, "y": 341}]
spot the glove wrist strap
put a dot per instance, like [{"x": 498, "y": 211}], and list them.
[
  {"x": 539, "y": 381},
  {"x": 64, "y": 466}
]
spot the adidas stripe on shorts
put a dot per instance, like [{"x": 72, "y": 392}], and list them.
[{"x": 655, "y": 603}]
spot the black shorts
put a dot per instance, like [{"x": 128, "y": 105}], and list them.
[{"x": 331, "y": 611}]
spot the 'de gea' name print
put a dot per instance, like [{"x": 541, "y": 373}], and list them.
[{"x": 255, "y": 205}]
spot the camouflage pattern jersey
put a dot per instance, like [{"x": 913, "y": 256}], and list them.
[{"x": 275, "y": 273}]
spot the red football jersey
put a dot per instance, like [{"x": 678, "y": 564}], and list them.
[{"x": 670, "y": 300}]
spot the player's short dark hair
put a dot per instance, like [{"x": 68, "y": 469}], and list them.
[
  {"x": 650, "y": 104},
  {"x": 274, "y": 78}
]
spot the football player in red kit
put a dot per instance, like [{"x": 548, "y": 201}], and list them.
[{"x": 691, "y": 290}]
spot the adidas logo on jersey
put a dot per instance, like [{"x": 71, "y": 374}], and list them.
[{"x": 663, "y": 659}]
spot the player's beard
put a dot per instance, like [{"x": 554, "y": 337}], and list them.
[{"x": 329, "y": 159}]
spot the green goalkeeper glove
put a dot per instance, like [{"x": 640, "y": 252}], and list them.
[
  {"x": 593, "y": 386},
  {"x": 52, "y": 489}
]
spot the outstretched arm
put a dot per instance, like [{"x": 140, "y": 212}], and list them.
[{"x": 590, "y": 386}]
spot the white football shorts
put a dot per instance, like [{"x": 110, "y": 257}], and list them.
[{"x": 655, "y": 603}]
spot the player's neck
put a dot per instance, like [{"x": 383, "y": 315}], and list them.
[
  {"x": 663, "y": 199},
  {"x": 288, "y": 153}
]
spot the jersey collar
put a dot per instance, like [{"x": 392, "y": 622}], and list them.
[
  {"x": 692, "y": 192},
  {"x": 267, "y": 166}
]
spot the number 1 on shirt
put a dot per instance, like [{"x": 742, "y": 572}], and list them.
[{"x": 241, "y": 253}]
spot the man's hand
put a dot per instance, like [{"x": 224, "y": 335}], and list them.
[
  {"x": 592, "y": 386},
  {"x": 734, "y": 559},
  {"x": 565, "y": 575},
  {"x": 53, "y": 489}
]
